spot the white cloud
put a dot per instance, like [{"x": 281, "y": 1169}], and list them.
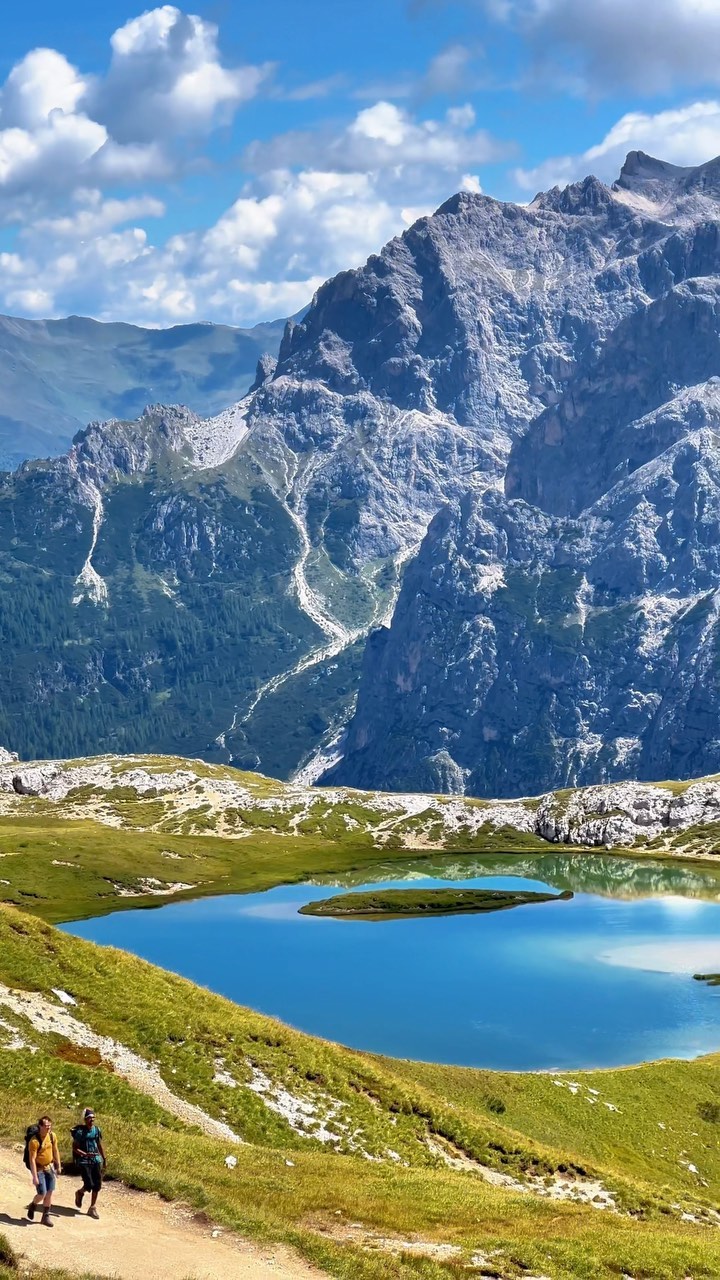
[
  {"x": 687, "y": 135},
  {"x": 42, "y": 82},
  {"x": 383, "y": 137},
  {"x": 448, "y": 71},
  {"x": 317, "y": 201},
  {"x": 453, "y": 70},
  {"x": 94, "y": 215},
  {"x": 266, "y": 255},
  {"x": 308, "y": 90},
  {"x": 166, "y": 79},
  {"x": 49, "y": 155},
  {"x": 60, "y": 129},
  {"x": 646, "y": 45}
]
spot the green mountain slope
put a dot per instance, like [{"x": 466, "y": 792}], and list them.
[{"x": 83, "y": 837}]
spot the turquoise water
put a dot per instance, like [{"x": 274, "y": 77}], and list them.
[{"x": 601, "y": 980}]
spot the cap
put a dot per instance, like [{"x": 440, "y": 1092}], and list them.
[{"x": 88, "y": 1112}]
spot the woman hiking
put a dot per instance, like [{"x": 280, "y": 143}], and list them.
[
  {"x": 89, "y": 1155},
  {"x": 44, "y": 1163}
]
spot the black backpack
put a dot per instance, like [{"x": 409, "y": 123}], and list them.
[{"x": 32, "y": 1131}]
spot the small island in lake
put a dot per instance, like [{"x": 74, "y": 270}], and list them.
[
  {"x": 712, "y": 979},
  {"x": 388, "y": 904}
]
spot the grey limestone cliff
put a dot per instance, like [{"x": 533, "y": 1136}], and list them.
[{"x": 566, "y": 631}]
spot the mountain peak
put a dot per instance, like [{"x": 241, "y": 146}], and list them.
[
  {"x": 681, "y": 194},
  {"x": 587, "y": 195},
  {"x": 639, "y": 167}
]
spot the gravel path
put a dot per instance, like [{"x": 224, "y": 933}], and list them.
[{"x": 139, "y": 1237}]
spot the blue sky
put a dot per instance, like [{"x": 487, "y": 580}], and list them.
[{"x": 217, "y": 162}]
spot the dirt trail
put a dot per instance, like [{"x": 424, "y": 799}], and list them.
[{"x": 138, "y": 1237}]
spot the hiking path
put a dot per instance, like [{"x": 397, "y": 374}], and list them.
[{"x": 138, "y": 1237}]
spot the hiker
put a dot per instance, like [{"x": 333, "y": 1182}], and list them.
[
  {"x": 43, "y": 1160},
  {"x": 89, "y": 1155}
]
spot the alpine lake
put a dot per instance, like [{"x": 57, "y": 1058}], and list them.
[{"x": 604, "y": 977}]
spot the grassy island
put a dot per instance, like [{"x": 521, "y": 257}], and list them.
[{"x": 388, "y": 904}]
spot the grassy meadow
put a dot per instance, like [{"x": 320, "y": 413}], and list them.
[
  {"x": 372, "y": 1167},
  {"x": 524, "y": 1126}
]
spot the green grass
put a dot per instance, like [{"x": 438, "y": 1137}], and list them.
[
  {"x": 94, "y": 851},
  {"x": 665, "y": 1116},
  {"x": 520, "y": 1124},
  {"x": 388, "y": 904}
]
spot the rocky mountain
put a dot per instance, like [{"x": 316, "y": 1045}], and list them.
[
  {"x": 57, "y": 375},
  {"x": 516, "y": 403},
  {"x": 566, "y": 631}
]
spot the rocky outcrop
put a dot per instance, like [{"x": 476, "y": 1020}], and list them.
[
  {"x": 614, "y": 816},
  {"x": 533, "y": 650},
  {"x": 621, "y": 408}
]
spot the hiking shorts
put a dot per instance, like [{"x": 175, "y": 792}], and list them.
[
  {"x": 91, "y": 1176},
  {"x": 46, "y": 1180}
]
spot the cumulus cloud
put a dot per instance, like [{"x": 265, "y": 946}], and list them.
[
  {"x": 685, "y": 136},
  {"x": 383, "y": 137},
  {"x": 42, "y": 82},
  {"x": 647, "y": 45},
  {"x": 60, "y": 128},
  {"x": 266, "y": 255},
  {"x": 166, "y": 79},
  {"x": 309, "y": 204}
]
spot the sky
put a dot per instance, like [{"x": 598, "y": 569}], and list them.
[{"x": 216, "y": 163}]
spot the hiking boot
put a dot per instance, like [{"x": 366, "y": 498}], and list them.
[
  {"x": 92, "y": 1212},
  {"x": 46, "y": 1220},
  {"x": 78, "y": 1198},
  {"x": 31, "y": 1211}
]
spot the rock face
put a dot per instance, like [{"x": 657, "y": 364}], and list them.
[
  {"x": 208, "y": 585},
  {"x": 566, "y": 632}
]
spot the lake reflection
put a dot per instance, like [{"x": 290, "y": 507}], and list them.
[{"x": 601, "y": 980}]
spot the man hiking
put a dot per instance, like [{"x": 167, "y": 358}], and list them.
[
  {"x": 89, "y": 1155},
  {"x": 43, "y": 1161}
]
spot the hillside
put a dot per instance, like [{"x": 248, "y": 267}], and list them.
[
  {"x": 58, "y": 375},
  {"x": 373, "y": 1168}
]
